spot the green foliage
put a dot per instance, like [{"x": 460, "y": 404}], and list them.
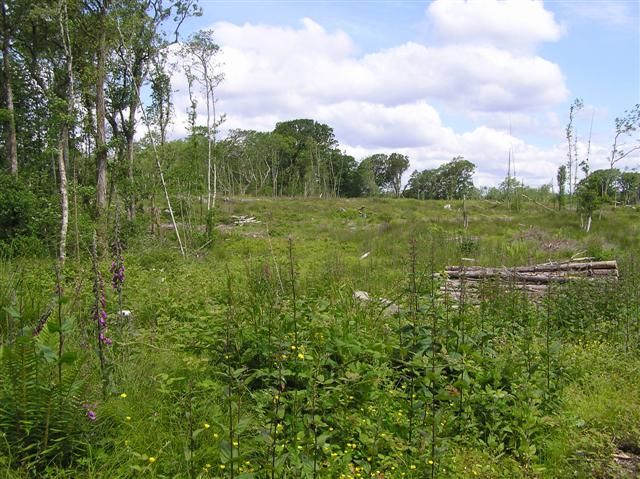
[
  {"x": 452, "y": 180},
  {"x": 17, "y": 208},
  {"x": 229, "y": 362},
  {"x": 27, "y": 221},
  {"x": 562, "y": 183},
  {"x": 42, "y": 419}
]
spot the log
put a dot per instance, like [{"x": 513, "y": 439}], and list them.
[
  {"x": 548, "y": 267},
  {"x": 533, "y": 280},
  {"x": 515, "y": 277}
]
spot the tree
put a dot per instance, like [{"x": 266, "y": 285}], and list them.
[
  {"x": 593, "y": 191},
  {"x": 9, "y": 111},
  {"x": 629, "y": 185},
  {"x": 624, "y": 126},
  {"x": 200, "y": 52},
  {"x": 422, "y": 185},
  {"x": 372, "y": 172},
  {"x": 396, "y": 165},
  {"x": 455, "y": 178},
  {"x": 452, "y": 180},
  {"x": 562, "y": 181},
  {"x": 305, "y": 156},
  {"x": 572, "y": 142}
]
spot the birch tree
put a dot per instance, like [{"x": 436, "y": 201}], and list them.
[
  {"x": 9, "y": 111},
  {"x": 200, "y": 54}
]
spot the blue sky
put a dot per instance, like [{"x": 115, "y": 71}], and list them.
[{"x": 431, "y": 79}]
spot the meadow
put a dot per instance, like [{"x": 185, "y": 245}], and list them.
[{"x": 252, "y": 358}]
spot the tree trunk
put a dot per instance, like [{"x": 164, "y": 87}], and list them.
[
  {"x": 12, "y": 142},
  {"x": 63, "y": 144},
  {"x": 132, "y": 193},
  {"x": 101, "y": 147},
  {"x": 63, "y": 154}
]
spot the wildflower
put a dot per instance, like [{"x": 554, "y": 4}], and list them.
[
  {"x": 235, "y": 443},
  {"x": 222, "y": 466},
  {"x": 90, "y": 408},
  {"x": 412, "y": 466},
  {"x": 128, "y": 418},
  {"x": 99, "y": 309},
  {"x": 430, "y": 462},
  {"x": 300, "y": 356},
  {"x": 215, "y": 435},
  {"x": 152, "y": 459},
  {"x": 123, "y": 395},
  {"x": 293, "y": 347},
  {"x": 206, "y": 426},
  {"x": 117, "y": 265}
]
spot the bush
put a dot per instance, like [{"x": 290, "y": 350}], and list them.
[
  {"x": 28, "y": 220},
  {"x": 17, "y": 208}
]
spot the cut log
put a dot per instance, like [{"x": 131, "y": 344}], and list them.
[{"x": 534, "y": 280}]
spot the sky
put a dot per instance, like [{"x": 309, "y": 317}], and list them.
[{"x": 430, "y": 79}]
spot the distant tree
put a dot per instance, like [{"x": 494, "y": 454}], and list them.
[
  {"x": 593, "y": 191},
  {"x": 199, "y": 55},
  {"x": 572, "y": 142},
  {"x": 396, "y": 165},
  {"x": 452, "y": 180},
  {"x": 625, "y": 126},
  {"x": 373, "y": 174},
  {"x": 307, "y": 149},
  {"x": 562, "y": 182},
  {"x": 456, "y": 177},
  {"x": 629, "y": 185},
  {"x": 422, "y": 185}
]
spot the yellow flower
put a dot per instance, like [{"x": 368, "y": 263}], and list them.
[
  {"x": 206, "y": 426},
  {"x": 300, "y": 356},
  {"x": 430, "y": 461},
  {"x": 293, "y": 347},
  {"x": 222, "y": 466},
  {"x": 412, "y": 466},
  {"x": 235, "y": 443},
  {"x": 152, "y": 459},
  {"x": 123, "y": 395},
  {"x": 128, "y": 418},
  {"x": 215, "y": 435}
]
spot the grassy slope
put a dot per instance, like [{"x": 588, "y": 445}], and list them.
[{"x": 600, "y": 405}]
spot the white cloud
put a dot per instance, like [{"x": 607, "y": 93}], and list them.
[
  {"x": 384, "y": 100},
  {"x": 509, "y": 24},
  {"x": 610, "y": 12},
  {"x": 321, "y": 66}
]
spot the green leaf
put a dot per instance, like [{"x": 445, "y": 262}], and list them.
[
  {"x": 69, "y": 357},
  {"x": 13, "y": 312},
  {"x": 53, "y": 327}
]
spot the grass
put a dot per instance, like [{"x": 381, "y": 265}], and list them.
[{"x": 231, "y": 366}]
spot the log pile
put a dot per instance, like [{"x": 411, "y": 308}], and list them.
[{"x": 532, "y": 279}]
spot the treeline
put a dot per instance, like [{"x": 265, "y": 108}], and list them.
[{"x": 302, "y": 158}]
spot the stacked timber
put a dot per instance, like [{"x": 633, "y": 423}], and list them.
[{"x": 532, "y": 279}]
